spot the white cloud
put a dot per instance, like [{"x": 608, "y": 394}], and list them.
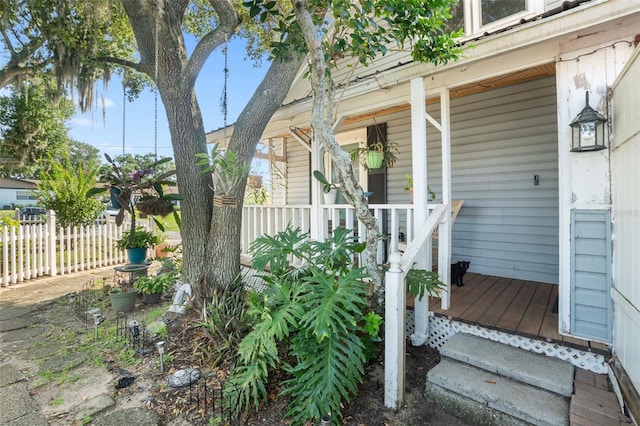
[
  {"x": 81, "y": 121},
  {"x": 108, "y": 103}
]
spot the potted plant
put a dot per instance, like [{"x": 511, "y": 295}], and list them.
[
  {"x": 149, "y": 185},
  {"x": 123, "y": 296},
  {"x": 228, "y": 173},
  {"x": 409, "y": 188},
  {"x": 376, "y": 154},
  {"x": 330, "y": 190},
  {"x": 136, "y": 243},
  {"x": 153, "y": 287}
]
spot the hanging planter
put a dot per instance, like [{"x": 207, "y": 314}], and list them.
[
  {"x": 155, "y": 206},
  {"x": 373, "y": 159},
  {"x": 114, "y": 193},
  {"x": 376, "y": 155},
  {"x": 225, "y": 200},
  {"x": 254, "y": 181}
]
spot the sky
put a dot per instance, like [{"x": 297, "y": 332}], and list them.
[{"x": 106, "y": 133}]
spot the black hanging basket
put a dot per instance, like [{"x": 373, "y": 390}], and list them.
[{"x": 155, "y": 206}]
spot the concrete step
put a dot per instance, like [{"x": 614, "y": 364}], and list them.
[
  {"x": 483, "y": 397},
  {"x": 545, "y": 372}
]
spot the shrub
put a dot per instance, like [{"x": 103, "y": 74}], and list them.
[{"x": 315, "y": 311}]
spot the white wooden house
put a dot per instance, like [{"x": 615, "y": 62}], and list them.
[{"x": 496, "y": 134}]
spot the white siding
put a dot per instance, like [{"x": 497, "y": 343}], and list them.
[
  {"x": 298, "y": 173},
  {"x": 591, "y": 274},
  {"x": 501, "y": 139},
  {"x": 625, "y": 158}
]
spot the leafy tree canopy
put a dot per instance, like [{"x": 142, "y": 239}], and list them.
[
  {"x": 32, "y": 125},
  {"x": 72, "y": 40},
  {"x": 64, "y": 189}
]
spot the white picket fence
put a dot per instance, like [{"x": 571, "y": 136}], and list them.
[{"x": 41, "y": 248}]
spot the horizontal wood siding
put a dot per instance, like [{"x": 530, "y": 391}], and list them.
[
  {"x": 298, "y": 173},
  {"x": 591, "y": 274},
  {"x": 501, "y": 139}
]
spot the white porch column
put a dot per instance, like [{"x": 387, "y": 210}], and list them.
[
  {"x": 394, "y": 332},
  {"x": 316, "y": 228},
  {"x": 420, "y": 197},
  {"x": 444, "y": 233}
]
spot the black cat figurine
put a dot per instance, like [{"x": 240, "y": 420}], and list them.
[{"x": 457, "y": 272}]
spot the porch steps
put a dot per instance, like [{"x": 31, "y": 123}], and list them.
[{"x": 487, "y": 382}]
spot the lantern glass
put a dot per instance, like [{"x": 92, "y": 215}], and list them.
[{"x": 588, "y": 130}]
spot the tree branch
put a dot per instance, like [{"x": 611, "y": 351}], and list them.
[
  {"x": 321, "y": 122},
  {"x": 229, "y": 20}
]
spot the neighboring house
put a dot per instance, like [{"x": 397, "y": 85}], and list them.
[
  {"x": 496, "y": 134},
  {"x": 16, "y": 192}
]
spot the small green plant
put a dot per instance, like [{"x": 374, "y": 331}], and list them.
[
  {"x": 56, "y": 402},
  {"x": 141, "y": 239},
  {"x": 421, "y": 281},
  {"x": 227, "y": 170},
  {"x": 227, "y": 320},
  {"x": 215, "y": 421},
  {"x": 156, "y": 284},
  {"x": 408, "y": 187},
  {"x": 326, "y": 186},
  {"x": 86, "y": 420}
]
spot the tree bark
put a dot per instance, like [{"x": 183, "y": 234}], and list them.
[
  {"x": 322, "y": 120},
  {"x": 210, "y": 236},
  {"x": 223, "y": 249}
]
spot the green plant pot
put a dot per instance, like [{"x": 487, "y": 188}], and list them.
[
  {"x": 123, "y": 302},
  {"x": 151, "y": 299},
  {"x": 373, "y": 159},
  {"x": 137, "y": 255}
]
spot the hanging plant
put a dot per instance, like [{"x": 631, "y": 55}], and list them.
[
  {"x": 155, "y": 206},
  {"x": 376, "y": 155},
  {"x": 227, "y": 171}
]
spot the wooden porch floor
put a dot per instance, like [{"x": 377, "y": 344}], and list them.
[{"x": 510, "y": 305}]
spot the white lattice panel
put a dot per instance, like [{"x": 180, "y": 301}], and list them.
[{"x": 441, "y": 329}]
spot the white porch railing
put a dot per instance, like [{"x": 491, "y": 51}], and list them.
[
  {"x": 33, "y": 250},
  {"x": 397, "y": 222}
]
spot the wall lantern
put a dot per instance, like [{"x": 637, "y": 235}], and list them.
[{"x": 588, "y": 130}]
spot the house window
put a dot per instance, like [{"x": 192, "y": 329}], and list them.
[
  {"x": 479, "y": 16},
  {"x": 495, "y": 10},
  {"x": 457, "y": 20},
  {"x": 25, "y": 195}
]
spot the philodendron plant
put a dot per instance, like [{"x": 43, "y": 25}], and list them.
[{"x": 314, "y": 313}]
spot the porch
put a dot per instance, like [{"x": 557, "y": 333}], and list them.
[{"x": 516, "y": 307}]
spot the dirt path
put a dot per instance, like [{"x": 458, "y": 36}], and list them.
[{"x": 48, "y": 374}]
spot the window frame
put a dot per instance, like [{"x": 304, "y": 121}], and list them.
[{"x": 473, "y": 16}]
